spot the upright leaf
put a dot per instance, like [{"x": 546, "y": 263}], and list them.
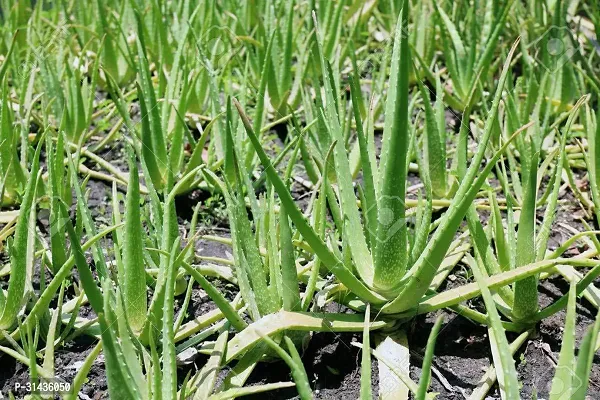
[
  {"x": 391, "y": 250},
  {"x": 134, "y": 290},
  {"x": 22, "y": 250}
]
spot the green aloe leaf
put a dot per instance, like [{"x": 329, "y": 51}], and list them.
[
  {"x": 230, "y": 313},
  {"x": 391, "y": 249},
  {"x": 55, "y": 190},
  {"x": 249, "y": 263},
  {"x": 8, "y": 55},
  {"x": 169, "y": 367},
  {"x": 585, "y": 359},
  {"x": 494, "y": 282},
  {"x": 12, "y": 179},
  {"x": 550, "y": 212},
  {"x": 563, "y": 377},
  {"x": 526, "y": 291},
  {"x": 295, "y": 364},
  {"x": 425, "y": 377},
  {"x": 593, "y": 159},
  {"x": 459, "y": 52},
  {"x": 134, "y": 288},
  {"x": 489, "y": 379},
  {"x": 502, "y": 248},
  {"x": 82, "y": 374},
  {"x": 366, "y": 391},
  {"x": 23, "y": 248},
  {"x": 250, "y": 390},
  {"x": 435, "y": 144},
  {"x": 289, "y": 273},
  {"x": 503, "y": 360},
  {"x": 154, "y": 147},
  {"x": 351, "y": 224},
  {"x": 300, "y": 321},
  {"x": 85, "y": 215},
  {"x": 370, "y": 206}
]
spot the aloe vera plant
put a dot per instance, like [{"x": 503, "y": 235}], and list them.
[
  {"x": 530, "y": 244},
  {"x": 266, "y": 271},
  {"x": 383, "y": 276},
  {"x": 466, "y": 60},
  {"x": 435, "y": 142},
  {"x": 570, "y": 378},
  {"x": 10, "y": 168}
]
